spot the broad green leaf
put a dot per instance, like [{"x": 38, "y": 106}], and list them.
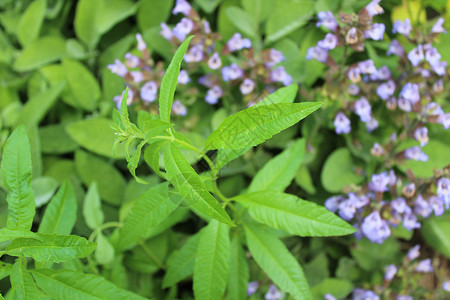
[
  {"x": 82, "y": 84},
  {"x": 181, "y": 262},
  {"x": 242, "y": 20},
  {"x": 150, "y": 209},
  {"x": 208, "y": 6},
  {"x": 170, "y": 80},
  {"x": 22, "y": 282},
  {"x": 92, "y": 207},
  {"x": 96, "y": 135},
  {"x": 294, "y": 215},
  {"x": 31, "y": 21},
  {"x": 239, "y": 272},
  {"x": 37, "y": 107},
  {"x": 68, "y": 284},
  {"x": 16, "y": 177},
  {"x": 152, "y": 128},
  {"x": 278, "y": 173},
  {"x": 52, "y": 248},
  {"x": 104, "y": 253},
  {"x": 5, "y": 269},
  {"x": 287, "y": 17},
  {"x": 152, "y": 155},
  {"x": 212, "y": 264},
  {"x": 191, "y": 187},
  {"x": 435, "y": 231},
  {"x": 275, "y": 259},
  {"x": 111, "y": 184},
  {"x": 152, "y": 13},
  {"x": 285, "y": 94},
  {"x": 61, "y": 213},
  {"x": 84, "y": 23},
  {"x": 55, "y": 140},
  {"x": 380, "y": 254},
  {"x": 259, "y": 9},
  {"x": 7, "y": 234},
  {"x": 338, "y": 171},
  {"x": 339, "y": 288},
  {"x": 254, "y": 125},
  {"x": 304, "y": 180},
  {"x": 40, "y": 52}
]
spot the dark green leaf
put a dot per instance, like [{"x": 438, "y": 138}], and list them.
[
  {"x": 435, "y": 231},
  {"x": 22, "y": 282}
]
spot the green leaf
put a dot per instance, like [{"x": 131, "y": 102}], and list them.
[
  {"x": 5, "y": 269},
  {"x": 22, "y": 282},
  {"x": 44, "y": 188},
  {"x": 92, "y": 207},
  {"x": 96, "y": 135},
  {"x": 294, "y": 215},
  {"x": 242, "y": 20},
  {"x": 68, "y": 284},
  {"x": 84, "y": 23},
  {"x": 339, "y": 288},
  {"x": 152, "y": 128},
  {"x": 61, "y": 213},
  {"x": 285, "y": 94},
  {"x": 52, "y": 248},
  {"x": 304, "y": 180},
  {"x": 83, "y": 85},
  {"x": 212, "y": 264},
  {"x": 259, "y": 9},
  {"x": 287, "y": 17},
  {"x": 276, "y": 260},
  {"x": 239, "y": 272},
  {"x": 111, "y": 184},
  {"x": 40, "y": 52},
  {"x": 31, "y": 21},
  {"x": 278, "y": 173},
  {"x": 16, "y": 177},
  {"x": 170, "y": 80},
  {"x": 112, "y": 12},
  {"x": 7, "y": 234},
  {"x": 150, "y": 209},
  {"x": 104, "y": 253},
  {"x": 181, "y": 263},
  {"x": 338, "y": 171},
  {"x": 435, "y": 231},
  {"x": 254, "y": 125},
  {"x": 152, "y": 13},
  {"x": 191, "y": 187},
  {"x": 224, "y": 156},
  {"x": 55, "y": 140},
  {"x": 152, "y": 154}
]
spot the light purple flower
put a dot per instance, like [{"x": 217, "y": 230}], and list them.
[
  {"x": 326, "y": 18},
  {"x": 404, "y": 297},
  {"x": 213, "y": 94},
  {"x": 433, "y": 56},
  {"x": 353, "y": 89},
  {"x": 382, "y": 73},
  {"x": 332, "y": 203},
  {"x": 376, "y": 32},
  {"x": 444, "y": 119},
  {"x": 206, "y": 27},
  {"x": 373, "y": 8},
  {"x": 183, "y": 77},
  {"x": 280, "y": 75},
  {"x": 342, "y": 123},
  {"x": 375, "y": 228},
  {"x": 399, "y": 206},
  {"x": 410, "y": 92},
  {"x": 416, "y": 153},
  {"x": 361, "y": 294},
  {"x": 416, "y": 55},
  {"x": 379, "y": 182},
  {"x": 329, "y": 297},
  {"x": 206, "y": 80},
  {"x": 395, "y": 48},
  {"x": 273, "y": 293},
  {"x": 389, "y": 272},
  {"x": 118, "y": 68},
  {"x": 118, "y": 99},
  {"x": 443, "y": 190},
  {"x": 214, "y": 62},
  {"x": 439, "y": 68},
  {"x": 329, "y": 42},
  {"x": 386, "y": 90},
  {"x": 247, "y": 86},
  {"x": 425, "y": 266},
  {"x": 367, "y": 67},
  {"x": 437, "y": 27},
  {"x": 237, "y": 43},
  {"x": 421, "y": 134},
  {"x": 166, "y": 32},
  {"x": 363, "y": 109},
  {"x": 131, "y": 61},
  {"x": 438, "y": 86},
  {"x": 317, "y": 53},
  {"x": 275, "y": 57},
  {"x": 137, "y": 76},
  {"x": 183, "y": 28},
  {"x": 347, "y": 209},
  {"x": 404, "y": 104},
  {"x": 402, "y": 27},
  {"x": 437, "y": 205},
  {"x": 252, "y": 287},
  {"x": 178, "y": 108},
  {"x": 354, "y": 74},
  {"x": 232, "y": 72},
  {"x": 149, "y": 91},
  {"x": 410, "y": 222},
  {"x": 446, "y": 286},
  {"x": 377, "y": 150},
  {"x": 182, "y": 6},
  {"x": 195, "y": 54},
  {"x": 141, "y": 45},
  {"x": 413, "y": 253},
  {"x": 421, "y": 207}
]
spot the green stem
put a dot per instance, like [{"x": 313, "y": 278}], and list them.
[
  {"x": 152, "y": 256},
  {"x": 103, "y": 227}
]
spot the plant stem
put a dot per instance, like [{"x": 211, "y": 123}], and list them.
[
  {"x": 103, "y": 227},
  {"x": 152, "y": 256}
]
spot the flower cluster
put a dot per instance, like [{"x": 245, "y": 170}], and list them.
[{"x": 272, "y": 293}]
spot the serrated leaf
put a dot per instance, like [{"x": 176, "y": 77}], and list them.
[
  {"x": 254, "y": 125},
  {"x": 282, "y": 95},
  {"x": 104, "y": 253},
  {"x": 212, "y": 264},
  {"x": 61, "y": 213},
  {"x": 30, "y": 22},
  {"x": 5, "y": 269},
  {"x": 294, "y": 215},
  {"x": 191, "y": 187},
  {"x": 276, "y": 260},
  {"x": 16, "y": 176},
  {"x": 170, "y": 80},
  {"x": 52, "y": 248},
  {"x": 181, "y": 263},
  {"x": 239, "y": 272},
  {"x": 152, "y": 154},
  {"x": 7, "y": 234},
  {"x": 68, "y": 284},
  {"x": 92, "y": 207},
  {"x": 150, "y": 209},
  {"x": 22, "y": 282},
  {"x": 278, "y": 173}
]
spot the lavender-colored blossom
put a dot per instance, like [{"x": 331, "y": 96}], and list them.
[
  {"x": 374, "y": 8},
  {"x": 443, "y": 190},
  {"x": 437, "y": 205},
  {"x": 232, "y": 72},
  {"x": 332, "y": 203},
  {"x": 425, "y": 266},
  {"x": 392, "y": 178},
  {"x": 389, "y": 272},
  {"x": 399, "y": 206},
  {"x": 131, "y": 61},
  {"x": 326, "y": 18},
  {"x": 213, "y": 94},
  {"x": 329, "y": 42},
  {"x": 416, "y": 55},
  {"x": 409, "y": 190},
  {"x": 361, "y": 294},
  {"x": 395, "y": 48},
  {"x": 377, "y": 150},
  {"x": 421, "y": 134},
  {"x": 195, "y": 54},
  {"x": 404, "y": 297},
  {"x": 433, "y": 109},
  {"x": 237, "y": 43},
  {"x": 317, "y": 53},
  {"x": 367, "y": 67},
  {"x": 247, "y": 86},
  {"x": 118, "y": 99},
  {"x": 410, "y": 222},
  {"x": 166, "y": 32},
  {"x": 410, "y": 91},
  {"x": 183, "y": 77},
  {"x": 206, "y": 27},
  {"x": 363, "y": 109},
  {"x": 404, "y": 104},
  {"x": 178, "y": 108},
  {"x": 382, "y": 73},
  {"x": 421, "y": 207},
  {"x": 446, "y": 286},
  {"x": 402, "y": 27},
  {"x": 438, "y": 86},
  {"x": 353, "y": 89},
  {"x": 433, "y": 56},
  {"x": 183, "y": 28},
  {"x": 444, "y": 119},
  {"x": 347, "y": 209},
  {"x": 416, "y": 153},
  {"x": 342, "y": 123},
  {"x": 329, "y": 297},
  {"x": 206, "y": 80},
  {"x": 351, "y": 37},
  {"x": 149, "y": 91},
  {"x": 118, "y": 68},
  {"x": 359, "y": 201},
  {"x": 182, "y": 6},
  {"x": 137, "y": 76},
  {"x": 437, "y": 27},
  {"x": 214, "y": 62},
  {"x": 275, "y": 57},
  {"x": 141, "y": 45},
  {"x": 439, "y": 68},
  {"x": 386, "y": 90},
  {"x": 376, "y": 32},
  {"x": 252, "y": 287},
  {"x": 375, "y": 228},
  {"x": 354, "y": 74},
  {"x": 413, "y": 253},
  {"x": 273, "y": 293},
  {"x": 280, "y": 75},
  {"x": 379, "y": 182}
]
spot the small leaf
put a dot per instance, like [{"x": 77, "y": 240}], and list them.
[
  {"x": 152, "y": 13},
  {"x": 7, "y": 234},
  {"x": 212, "y": 264},
  {"x": 92, "y": 207},
  {"x": 152, "y": 154},
  {"x": 242, "y": 20},
  {"x": 5, "y": 269},
  {"x": 40, "y": 52},
  {"x": 104, "y": 253},
  {"x": 22, "y": 282},
  {"x": 239, "y": 272},
  {"x": 30, "y": 22},
  {"x": 282, "y": 95}
]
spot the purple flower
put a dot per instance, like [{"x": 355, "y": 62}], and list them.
[
  {"x": 410, "y": 222},
  {"x": 353, "y": 89},
  {"x": 367, "y": 67},
  {"x": 273, "y": 293},
  {"x": 183, "y": 28},
  {"x": 141, "y": 45},
  {"x": 166, "y": 32},
  {"x": 373, "y": 8},
  {"x": 446, "y": 286},
  {"x": 183, "y": 77},
  {"x": 347, "y": 209},
  {"x": 425, "y": 266},
  {"x": 149, "y": 91},
  {"x": 363, "y": 109},
  {"x": 342, "y": 123},
  {"x": 421, "y": 134},
  {"x": 275, "y": 57},
  {"x": 182, "y": 6},
  {"x": 413, "y": 253},
  {"x": 214, "y": 62},
  {"x": 389, "y": 272},
  {"x": 351, "y": 37},
  {"x": 118, "y": 99},
  {"x": 332, "y": 203},
  {"x": 327, "y": 19},
  {"x": 386, "y": 90},
  {"x": 206, "y": 27},
  {"x": 404, "y": 297},
  {"x": 433, "y": 109},
  {"x": 444, "y": 119},
  {"x": 377, "y": 150},
  {"x": 195, "y": 54},
  {"x": 410, "y": 91},
  {"x": 329, "y": 42},
  {"x": 416, "y": 153},
  {"x": 280, "y": 75},
  {"x": 354, "y": 74},
  {"x": 361, "y": 294},
  {"x": 439, "y": 68},
  {"x": 232, "y": 72},
  {"x": 382, "y": 73},
  {"x": 137, "y": 76},
  {"x": 118, "y": 68},
  {"x": 421, "y": 207},
  {"x": 317, "y": 53},
  {"x": 372, "y": 124},
  {"x": 237, "y": 43},
  {"x": 213, "y": 94},
  {"x": 395, "y": 48},
  {"x": 247, "y": 86},
  {"x": 329, "y": 297},
  {"x": 437, "y": 27},
  {"x": 416, "y": 55},
  {"x": 376, "y": 32},
  {"x": 402, "y": 27},
  {"x": 433, "y": 56},
  {"x": 443, "y": 190},
  {"x": 399, "y": 206},
  {"x": 404, "y": 104},
  {"x": 437, "y": 205},
  {"x": 438, "y": 86},
  {"x": 178, "y": 108},
  {"x": 132, "y": 61},
  {"x": 375, "y": 228},
  {"x": 252, "y": 287},
  {"x": 379, "y": 182}
]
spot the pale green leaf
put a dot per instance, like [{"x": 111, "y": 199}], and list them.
[
  {"x": 282, "y": 95},
  {"x": 112, "y": 12},
  {"x": 5, "y": 269},
  {"x": 279, "y": 264},
  {"x": 22, "y": 282},
  {"x": 104, "y": 253},
  {"x": 55, "y": 140},
  {"x": 151, "y": 13},
  {"x": 254, "y": 125},
  {"x": 239, "y": 272},
  {"x": 294, "y": 215},
  {"x": 92, "y": 207},
  {"x": 152, "y": 155},
  {"x": 40, "y": 52},
  {"x": 7, "y": 234},
  {"x": 259, "y": 9},
  {"x": 208, "y": 6},
  {"x": 242, "y": 20},
  {"x": 31, "y": 21},
  {"x": 44, "y": 188},
  {"x": 84, "y": 23},
  {"x": 212, "y": 264}
]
